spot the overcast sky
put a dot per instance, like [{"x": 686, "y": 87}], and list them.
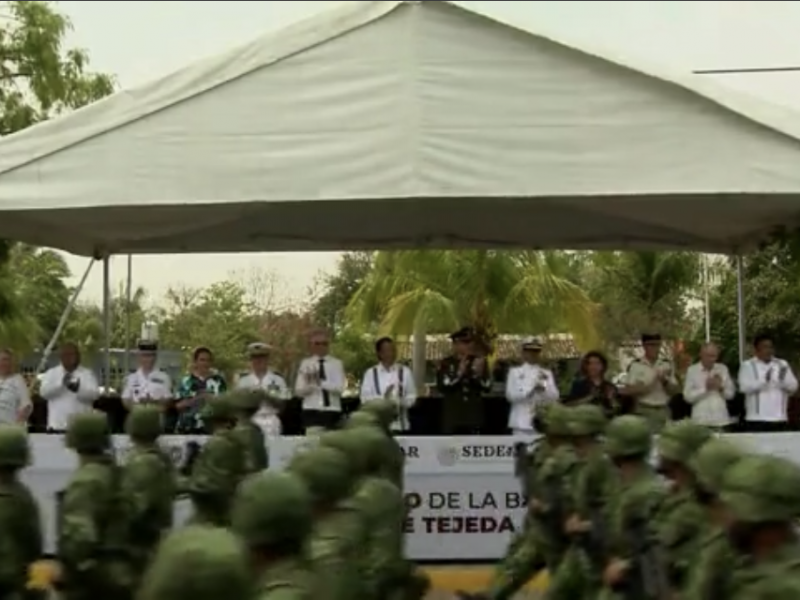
[{"x": 140, "y": 40}]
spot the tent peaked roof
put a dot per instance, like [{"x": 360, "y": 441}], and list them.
[{"x": 404, "y": 124}]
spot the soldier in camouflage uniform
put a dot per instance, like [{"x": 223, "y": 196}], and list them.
[
  {"x": 543, "y": 541},
  {"x": 219, "y": 467},
  {"x": 377, "y": 502},
  {"x": 93, "y": 543},
  {"x": 634, "y": 504},
  {"x": 247, "y": 403},
  {"x": 198, "y": 563},
  {"x": 709, "y": 575},
  {"x": 20, "y": 526},
  {"x": 385, "y": 412},
  {"x": 762, "y": 497},
  {"x": 680, "y": 522},
  {"x": 272, "y": 513},
  {"x": 149, "y": 483},
  {"x": 580, "y": 573},
  {"x": 337, "y": 538}
]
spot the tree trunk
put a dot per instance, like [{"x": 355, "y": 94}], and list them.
[{"x": 418, "y": 365}]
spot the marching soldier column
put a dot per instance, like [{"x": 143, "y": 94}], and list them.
[{"x": 710, "y": 520}]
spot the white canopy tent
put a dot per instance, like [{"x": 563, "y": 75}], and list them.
[
  {"x": 397, "y": 124},
  {"x": 404, "y": 124}
]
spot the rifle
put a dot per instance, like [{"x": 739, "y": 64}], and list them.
[
  {"x": 192, "y": 453},
  {"x": 522, "y": 466},
  {"x": 593, "y": 541},
  {"x": 648, "y": 577}
]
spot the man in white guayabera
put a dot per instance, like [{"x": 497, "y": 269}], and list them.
[
  {"x": 767, "y": 383},
  {"x": 707, "y": 388},
  {"x": 392, "y": 381},
  {"x": 68, "y": 388}
]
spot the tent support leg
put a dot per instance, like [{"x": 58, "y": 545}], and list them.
[
  {"x": 62, "y": 322},
  {"x": 740, "y": 307},
  {"x": 106, "y": 323},
  {"x": 128, "y": 316}
]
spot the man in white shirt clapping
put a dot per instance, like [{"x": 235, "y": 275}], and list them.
[
  {"x": 320, "y": 383},
  {"x": 68, "y": 388},
  {"x": 261, "y": 377},
  {"x": 148, "y": 384},
  {"x": 707, "y": 388},
  {"x": 527, "y": 386},
  {"x": 390, "y": 380},
  {"x": 767, "y": 383}
]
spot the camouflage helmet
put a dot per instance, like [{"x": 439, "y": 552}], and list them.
[
  {"x": 760, "y": 488},
  {"x": 88, "y": 433},
  {"x": 628, "y": 436},
  {"x": 351, "y": 446},
  {"x": 557, "y": 420},
  {"x": 710, "y": 463},
  {"x": 144, "y": 423},
  {"x": 680, "y": 440},
  {"x": 362, "y": 418},
  {"x": 272, "y": 509},
  {"x": 218, "y": 409},
  {"x": 587, "y": 420},
  {"x": 15, "y": 452},
  {"x": 198, "y": 562},
  {"x": 326, "y": 472},
  {"x": 248, "y": 400},
  {"x": 375, "y": 445},
  {"x": 385, "y": 410},
  {"x": 540, "y": 415}
]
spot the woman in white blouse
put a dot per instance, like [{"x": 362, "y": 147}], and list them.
[{"x": 15, "y": 401}]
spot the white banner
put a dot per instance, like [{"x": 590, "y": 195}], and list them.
[{"x": 464, "y": 497}]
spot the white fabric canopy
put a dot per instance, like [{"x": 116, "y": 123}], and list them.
[{"x": 400, "y": 124}]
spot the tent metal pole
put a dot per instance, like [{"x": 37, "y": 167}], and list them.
[
  {"x": 740, "y": 307},
  {"x": 128, "y": 316},
  {"x": 706, "y": 298},
  {"x": 107, "y": 323},
  {"x": 62, "y": 322}
]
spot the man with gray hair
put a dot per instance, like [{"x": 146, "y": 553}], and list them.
[
  {"x": 320, "y": 383},
  {"x": 707, "y": 389}
]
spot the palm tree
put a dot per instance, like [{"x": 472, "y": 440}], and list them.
[
  {"x": 641, "y": 291},
  {"x": 417, "y": 292},
  {"x": 19, "y": 326}
]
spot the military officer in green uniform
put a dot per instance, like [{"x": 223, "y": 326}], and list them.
[
  {"x": 650, "y": 381},
  {"x": 462, "y": 379}
]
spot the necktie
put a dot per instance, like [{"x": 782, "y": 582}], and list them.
[{"x": 326, "y": 396}]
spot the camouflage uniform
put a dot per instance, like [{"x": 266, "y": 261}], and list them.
[
  {"x": 20, "y": 526},
  {"x": 93, "y": 518},
  {"x": 385, "y": 412},
  {"x": 542, "y": 542},
  {"x": 378, "y": 503},
  {"x": 681, "y": 520},
  {"x": 579, "y": 574},
  {"x": 198, "y": 563},
  {"x": 272, "y": 513},
  {"x": 635, "y": 501},
  {"x": 149, "y": 484},
  {"x": 762, "y": 494},
  {"x": 219, "y": 468},
  {"x": 337, "y": 538},
  {"x": 709, "y": 576},
  {"x": 246, "y": 403}
]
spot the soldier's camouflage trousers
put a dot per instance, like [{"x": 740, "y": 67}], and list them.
[
  {"x": 575, "y": 578},
  {"x": 527, "y": 557}
]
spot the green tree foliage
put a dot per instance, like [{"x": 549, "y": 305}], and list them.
[
  {"x": 38, "y": 79},
  {"x": 644, "y": 291},
  {"x": 339, "y": 288}
]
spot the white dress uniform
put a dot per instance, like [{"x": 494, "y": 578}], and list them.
[
  {"x": 62, "y": 402},
  {"x": 139, "y": 385},
  {"x": 400, "y": 379},
  {"x": 267, "y": 416},
  {"x": 523, "y": 396}
]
